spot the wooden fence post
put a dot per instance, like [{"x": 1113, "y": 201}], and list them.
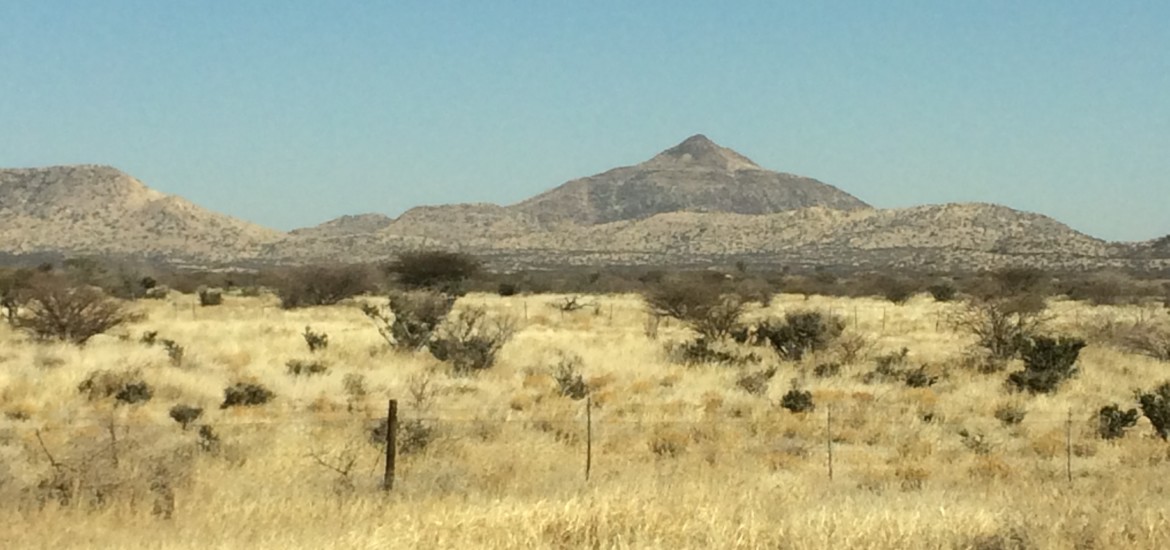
[
  {"x": 829, "y": 438},
  {"x": 588, "y": 436},
  {"x": 1068, "y": 446},
  {"x": 391, "y": 445}
]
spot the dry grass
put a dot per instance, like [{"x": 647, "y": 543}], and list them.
[{"x": 683, "y": 458}]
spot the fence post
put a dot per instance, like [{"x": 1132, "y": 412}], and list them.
[
  {"x": 588, "y": 436},
  {"x": 391, "y": 444},
  {"x": 1068, "y": 446},
  {"x": 829, "y": 437}
]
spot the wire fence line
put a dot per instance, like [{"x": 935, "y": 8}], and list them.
[{"x": 836, "y": 439}]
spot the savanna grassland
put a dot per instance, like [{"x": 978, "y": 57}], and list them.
[{"x": 684, "y": 456}]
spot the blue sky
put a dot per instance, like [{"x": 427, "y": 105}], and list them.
[{"x": 292, "y": 112}]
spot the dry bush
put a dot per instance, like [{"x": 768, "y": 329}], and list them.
[
  {"x": 1112, "y": 421},
  {"x": 411, "y": 318},
  {"x": 1156, "y": 407},
  {"x": 124, "y": 386},
  {"x": 121, "y": 468},
  {"x": 209, "y": 297},
  {"x": 321, "y": 285},
  {"x": 703, "y": 307},
  {"x": 1001, "y": 325},
  {"x": 470, "y": 341},
  {"x": 55, "y": 310},
  {"x": 245, "y": 394}
]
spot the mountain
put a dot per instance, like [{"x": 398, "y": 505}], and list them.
[
  {"x": 99, "y": 210},
  {"x": 695, "y": 176},
  {"x": 699, "y": 203},
  {"x": 696, "y": 203}
]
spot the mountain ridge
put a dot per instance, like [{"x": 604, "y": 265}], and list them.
[{"x": 695, "y": 202}]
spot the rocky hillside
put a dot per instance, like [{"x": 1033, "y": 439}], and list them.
[
  {"x": 100, "y": 210},
  {"x": 694, "y": 176}
]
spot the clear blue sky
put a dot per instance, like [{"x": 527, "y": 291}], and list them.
[{"x": 290, "y": 112}]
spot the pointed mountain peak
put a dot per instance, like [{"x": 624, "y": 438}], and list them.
[{"x": 700, "y": 151}]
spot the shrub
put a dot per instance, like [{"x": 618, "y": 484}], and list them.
[
  {"x": 507, "y": 289},
  {"x": 756, "y": 383},
  {"x": 322, "y": 285},
  {"x": 1047, "y": 363},
  {"x": 892, "y": 367},
  {"x": 210, "y": 297},
  {"x": 411, "y": 318},
  {"x": 55, "y": 310},
  {"x": 1002, "y": 326},
  {"x": 300, "y": 367},
  {"x": 185, "y": 415},
  {"x": 470, "y": 341},
  {"x": 245, "y": 394},
  {"x": 1010, "y": 414},
  {"x": 355, "y": 390},
  {"x": 568, "y": 377},
  {"x": 124, "y": 386},
  {"x": 700, "y": 351},
  {"x": 316, "y": 341},
  {"x": 175, "y": 351},
  {"x": 798, "y": 401},
  {"x": 1112, "y": 421},
  {"x": 1156, "y": 407},
  {"x": 703, "y": 308},
  {"x": 801, "y": 332},
  {"x": 827, "y": 370},
  {"x": 413, "y": 435},
  {"x": 943, "y": 292},
  {"x": 435, "y": 270}
]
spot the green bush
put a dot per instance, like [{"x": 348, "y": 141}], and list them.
[
  {"x": 1047, "y": 363},
  {"x": 245, "y": 394},
  {"x": 316, "y": 341},
  {"x": 567, "y": 375},
  {"x": 1112, "y": 421},
  {"x": 800, "y": 333},
  {"x": 1156, "y": 407},
  {"x": 798, "y": 401}
]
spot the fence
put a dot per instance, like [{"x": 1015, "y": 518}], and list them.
[{"x": 845, "y": 444}]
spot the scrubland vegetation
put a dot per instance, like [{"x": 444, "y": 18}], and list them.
[{"x": 1010, "y": 410}]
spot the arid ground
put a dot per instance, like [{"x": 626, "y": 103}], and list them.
[{"x": 683, "y": 456}]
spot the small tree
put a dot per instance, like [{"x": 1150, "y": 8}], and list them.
[
  {"x": 434, "y": 269},
  {"x": 1001, "y": 325},
  {"x": 702, "y": 307},
  {"x": 55, "y": 310}
]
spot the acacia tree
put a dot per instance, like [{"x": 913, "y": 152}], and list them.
[
  {"x": 437, "y": 270},
  {"x": 56, "y": 310}
]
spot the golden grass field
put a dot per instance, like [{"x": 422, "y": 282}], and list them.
[{"x": 682, "y": 458}]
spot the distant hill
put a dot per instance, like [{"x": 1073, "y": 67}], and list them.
[
  {"x": 694, "y": 176},
  {"x": 696, "y": 203},
  {"x": 100, "y": 210}
]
